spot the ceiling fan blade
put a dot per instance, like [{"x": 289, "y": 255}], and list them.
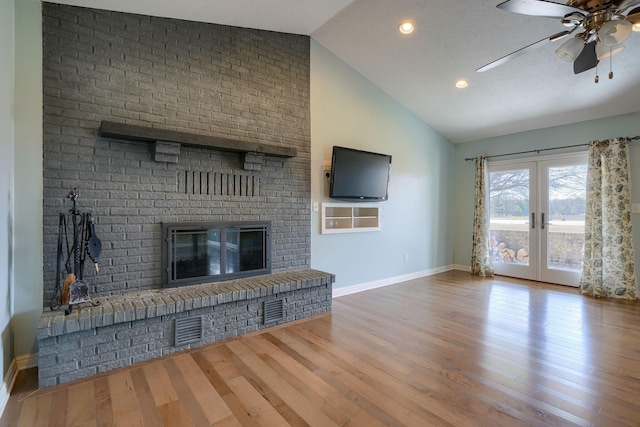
[
  {"x": 522, "y": 51},
  {"x": 561, "y": 35},
  {"x": 634, "y": 18},
  {"x": 543, "y": 8},
  {"x": 587, "y": 58},
  {"x": 627, "y": 4}
]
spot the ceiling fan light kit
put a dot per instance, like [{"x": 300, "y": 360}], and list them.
[
  {"x": 603, "y": 51},
  {"x": 604, "y": 26},
  {"x": 612, "y": 33},
  {"x": 570, "y": 49}
]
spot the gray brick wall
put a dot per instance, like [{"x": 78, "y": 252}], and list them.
[{"x": 192, "y": 77}]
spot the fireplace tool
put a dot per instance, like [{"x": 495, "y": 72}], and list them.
[{"x": 85, "y": 242}]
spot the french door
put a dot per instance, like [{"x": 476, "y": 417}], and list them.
[{"x": 537, "y": 210}]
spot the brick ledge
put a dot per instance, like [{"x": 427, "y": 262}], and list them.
[{"x": 158, "y": 302}]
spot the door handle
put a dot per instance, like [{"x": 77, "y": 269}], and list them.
[
  {"x": 533, "y": 220},
  {"x": 542, "y": 221}
]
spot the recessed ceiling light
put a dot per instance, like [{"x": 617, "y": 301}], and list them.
[
  {"x": 461, "y": 84},
  {"x": 636, "y": 27},
  {"x": 406, "y": 27}
]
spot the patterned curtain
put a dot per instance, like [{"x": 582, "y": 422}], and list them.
[
  {"x": 481, "y": 264},
  {"x": 608, "y": 269}
]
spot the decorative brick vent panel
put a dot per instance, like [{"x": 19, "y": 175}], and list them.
[
  {"x": 218, "y": 183},
  {"x": 135, "y": 327}
]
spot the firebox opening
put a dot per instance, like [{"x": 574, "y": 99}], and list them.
[{"x": 205, "y": 252}]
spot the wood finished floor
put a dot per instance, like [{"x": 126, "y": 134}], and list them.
[{"x": 450, "y": 349}]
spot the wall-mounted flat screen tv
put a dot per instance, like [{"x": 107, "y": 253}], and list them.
[{"x": 358, "y": 175}]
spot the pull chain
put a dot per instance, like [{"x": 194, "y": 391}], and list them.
[{"x": 610, "y": 64}]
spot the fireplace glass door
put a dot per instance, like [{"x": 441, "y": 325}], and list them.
[{"x": 200, "y": 253}]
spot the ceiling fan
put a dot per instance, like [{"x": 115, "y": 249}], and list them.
[{"x": 600, "y": 26}]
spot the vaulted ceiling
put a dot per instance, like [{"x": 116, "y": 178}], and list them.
[{"x": 451, "y": 40}]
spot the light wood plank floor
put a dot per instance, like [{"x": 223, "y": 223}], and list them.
[{"x": 450, "y": 350}]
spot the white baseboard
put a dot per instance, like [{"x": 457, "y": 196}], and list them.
[
  {"x": 27, "y": 361},
  {"x": 461, "y": 267},
  {"x": 19, "y": 363},
  {"x": 7, "y": 384},
  {"x": 348, "y": 290}
]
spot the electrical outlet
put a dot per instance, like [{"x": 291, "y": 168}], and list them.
[
  {"x": 406, "y": 257},
  {"x": 635, "y": 208}
]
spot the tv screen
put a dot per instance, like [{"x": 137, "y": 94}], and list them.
[{"x": 359, "y": 175}]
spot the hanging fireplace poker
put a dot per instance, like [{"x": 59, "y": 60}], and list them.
[{"x": 74, "y": 290}]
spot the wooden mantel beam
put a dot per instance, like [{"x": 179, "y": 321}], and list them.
[{"x": 148, "y": 134}]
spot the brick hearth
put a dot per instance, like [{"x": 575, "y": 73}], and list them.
[{"x": 139, "y": 326}]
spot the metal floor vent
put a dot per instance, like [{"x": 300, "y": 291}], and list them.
[
  {"x": 273, "y": 311},
  {"x": 188, "y": 329}
]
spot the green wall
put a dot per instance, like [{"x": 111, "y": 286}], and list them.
[
  {"x": 7, "y": 53},
  {"x": 27, "y": 256},
  {"x": 348, "y": 110},
  {"x": 578, "y": 133}
]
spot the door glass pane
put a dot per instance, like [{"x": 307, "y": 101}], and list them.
[
  {"x": 509, "y": 216},
  {"x": 566, "y": 210}
]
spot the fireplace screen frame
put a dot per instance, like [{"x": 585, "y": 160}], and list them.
[{"x": 171, "y": 231}]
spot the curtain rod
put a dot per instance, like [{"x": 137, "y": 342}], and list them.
[{"x": 542, "y": 149}]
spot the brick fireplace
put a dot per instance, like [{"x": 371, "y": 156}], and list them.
[{"x": 247, "y": 88}]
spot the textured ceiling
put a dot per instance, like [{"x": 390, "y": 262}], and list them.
[{"x": 451, "y": 40}]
